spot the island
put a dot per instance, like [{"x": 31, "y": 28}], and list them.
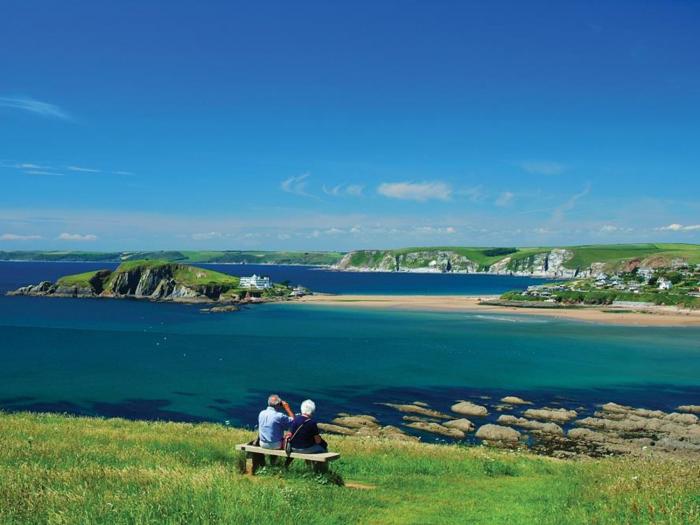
[{"x": 164, "y": 281}]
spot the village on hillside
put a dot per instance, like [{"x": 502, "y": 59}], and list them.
[{"x": 675, "y": 285}]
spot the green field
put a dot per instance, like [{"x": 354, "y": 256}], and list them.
[{"x": 59, "y": 469}]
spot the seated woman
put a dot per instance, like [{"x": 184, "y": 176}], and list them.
[{"x": 305, "y": 436}]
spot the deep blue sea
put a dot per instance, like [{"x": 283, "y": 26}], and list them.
[{"x": 145, "y": 360}]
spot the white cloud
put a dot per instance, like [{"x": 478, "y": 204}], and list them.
[
  {"x": 435, "y": 230},
  {"x": 83, "y": 170},
  {"x": 505, "y": 199},
  {"x": 44, "y": 173},
  {"x": 420, "y": 191},
  {"x": 77, "y": 237},
  {"x": 17, "y": 237},
  {"x": 542, "y": 167},
  {"x": 122, "y": 173},
  {"x": 34, "y": 106},
  {"x": 352, "y": 190},
  {"x": 296, "y": 185},
  {"x": 679, "y": 228},
  {"x": 206, "y": 236}
]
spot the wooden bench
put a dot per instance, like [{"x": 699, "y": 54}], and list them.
[{"x": 255, "y": 458}]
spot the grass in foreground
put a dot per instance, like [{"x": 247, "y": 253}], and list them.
[{"x": 58, "y": 469}]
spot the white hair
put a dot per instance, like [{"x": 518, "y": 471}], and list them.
[
  {"x": 274, "y": 400},
  {"x": 308, "y": 407}
]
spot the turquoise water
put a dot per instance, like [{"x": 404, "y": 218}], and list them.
[{"x": 164, "y": 361}]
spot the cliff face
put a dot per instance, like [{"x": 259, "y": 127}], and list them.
[
  {"x": 155, "y": 283},
  {"x": 549, "y": 263}
]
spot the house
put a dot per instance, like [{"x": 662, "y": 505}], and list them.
[
  {"x": 645, "y": 273},
  {"x": 298, "y": 291},
  {"x": 664, "y": 284},
  {"x": 256, "y": 282}
]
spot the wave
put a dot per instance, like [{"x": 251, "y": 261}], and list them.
[{"x": 506, "y": 319}]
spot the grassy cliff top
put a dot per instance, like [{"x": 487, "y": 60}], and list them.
[
  {"x": 185, "y": 274},
  {"x": 60, "y": 469},
  {"x": 583, "y": 256}
]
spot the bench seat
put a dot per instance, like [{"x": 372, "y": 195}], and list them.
[{"x": 256, "y": 457}]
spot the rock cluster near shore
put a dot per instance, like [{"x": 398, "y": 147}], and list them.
[{"x": 611, "y": 430}]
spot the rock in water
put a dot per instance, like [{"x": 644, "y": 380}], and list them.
[
  {"x": 437, "y": 428},
  {"x": 514, "y": 400},
  {"x": 546, "y": 428},
  {"x": 693, "y": 409},
  {"x": 467, "y": 408},
  {"x": 498, "y": 433},
  {"x": 560, "y": 415},
  {"x": 415, "y": 409},
  {"x": 462, "y": 424}
]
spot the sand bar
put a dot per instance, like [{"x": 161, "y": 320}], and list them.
[{"x": 648, "y": 316}]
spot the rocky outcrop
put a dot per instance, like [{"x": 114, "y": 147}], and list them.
[
  {"x": 437, "y": 428},
  {"x": 514, "y": 400},
  {"x": 462, "y": 424},
  {"x": 538, "y": 426},
  {"x": 417, "y": 409},
  {"x": 467, "y": 408},
  {"x": 364, "y": 425},
  {"x": 693, "y": 409},
  {"x": 498, "y": 434},
  {"x": 152, "y": 282},
  {"x": 559, "y": 415}
]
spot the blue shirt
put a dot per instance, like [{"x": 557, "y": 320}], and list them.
[
  {"x": 304, "y": 437},
  {"x": 272, "y": 424}
]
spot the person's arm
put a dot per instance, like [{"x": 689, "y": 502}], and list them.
[
  {"x": 317, "y": 439},
  {"x": 314, "y": 428},
  {"x": 288, "y": 410}
]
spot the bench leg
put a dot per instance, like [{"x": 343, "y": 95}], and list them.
[
  {"x": 253, "y": 462},
  {"x": 318, "y": 466}
]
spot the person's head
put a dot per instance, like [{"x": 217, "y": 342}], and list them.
[
  {"x": 274, "y": 401},
  {"x": 308, "y": 408}
]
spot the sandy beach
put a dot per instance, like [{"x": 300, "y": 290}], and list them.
[{"x": 651, "y": 316}]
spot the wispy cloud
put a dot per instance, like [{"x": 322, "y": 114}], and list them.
[
  {"x": 296, "y": 185},
  {"x": 352, "y": 190},
  {"x": 34, "y": 106},
  {"x": 560, "y": 211},
  {"x": 18, "y": 237},
  {"x": 82, "y": 170},
  {"x": 206, "y": 236},
  {"x": 679, "y": 228},
  {"x": 77, "y": 237},
  {"x": 416, "y": 191},
  {"x": 122, "y": 173},
  {"x": 474, "y": 194},
  {"x": 44, "y": 173},
  {"x": 542, "y": 167},
  {"x": 505, "y": 199}
]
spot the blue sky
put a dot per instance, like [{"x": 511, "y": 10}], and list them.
[{"x": 328, "y": 125}]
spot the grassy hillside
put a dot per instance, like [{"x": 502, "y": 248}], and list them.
[
  {"x": 613, "y": 255},
  {"x": 228, "y": 256},
  {"x": 58, "y": 469}
]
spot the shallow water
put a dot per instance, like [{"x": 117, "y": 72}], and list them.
[{"x": 164, "y": 361}]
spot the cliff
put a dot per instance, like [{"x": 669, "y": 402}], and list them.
[
  {"x": 152, "y": 280},
  {"x": 555, "y": 262}
]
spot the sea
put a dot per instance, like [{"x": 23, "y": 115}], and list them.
[{"x": 159, "y": 361}]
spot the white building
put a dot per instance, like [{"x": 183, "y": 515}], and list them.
[
  {"x": 664, "y": 284},
  {"x": 255, "y": 281}
]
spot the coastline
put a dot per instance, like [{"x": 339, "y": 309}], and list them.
[{"x": 651, "y": 316}]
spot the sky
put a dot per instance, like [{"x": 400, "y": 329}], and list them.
[{"x": 316, "y": 125}]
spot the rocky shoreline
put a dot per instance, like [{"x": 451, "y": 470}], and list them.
[{"x": 612, "y": 429}]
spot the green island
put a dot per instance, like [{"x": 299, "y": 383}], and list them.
[
  {"x": 158, "y": 280},
  {"x": 61, "y": 469}
]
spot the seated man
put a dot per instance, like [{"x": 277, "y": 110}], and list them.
[
  {"x": 272, "y": 422},
  {"x": 305, "y": 435}
]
